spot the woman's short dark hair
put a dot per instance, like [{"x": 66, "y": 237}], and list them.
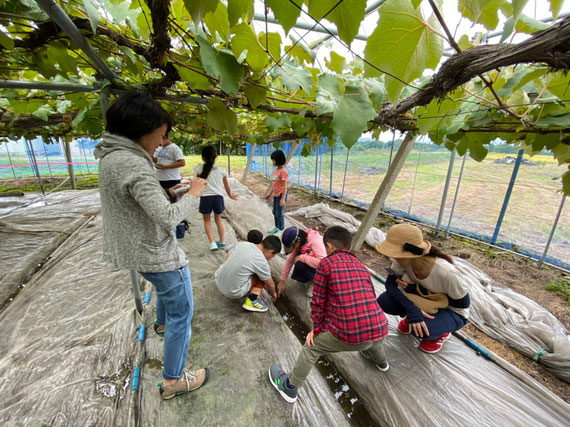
[
  {"x": 338, "y": 236},
  {"x": 279, "y": 157},
  {"x": 136, "y": 114}
]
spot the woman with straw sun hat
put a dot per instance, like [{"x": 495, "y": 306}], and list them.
[{"x": 423, "y": 287}]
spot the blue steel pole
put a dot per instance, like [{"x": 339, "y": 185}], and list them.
[
  {"x": 508, "y": 196},
  {"x": 331, "y": 176}
]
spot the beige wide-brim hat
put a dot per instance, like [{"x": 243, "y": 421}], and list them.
[{"x": 400, "y": 234}]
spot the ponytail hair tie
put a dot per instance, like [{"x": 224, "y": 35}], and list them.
[{"x": 413, "y": 249}]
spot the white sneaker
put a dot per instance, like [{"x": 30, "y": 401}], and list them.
[{"x": 213, "y": 246}]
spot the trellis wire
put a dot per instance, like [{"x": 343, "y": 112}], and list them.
[
  {"x": 456, "y": 194},
  {"x": 415, "y": 176},
  {"x": 47, "y": 160}
]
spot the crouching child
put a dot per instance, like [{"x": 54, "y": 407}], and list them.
[
  {"x": 345, "y": 314},
  {"x": 246, "y": 272}
]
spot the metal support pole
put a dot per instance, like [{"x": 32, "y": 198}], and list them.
[
  {"x": 552, "y": 231},
  {"x": 456, "y": 193},
  {"x": 508, "y": 196},
  {"x": 248, "y": 165},
  {"x": 66, "y": 24},
  {"x": 10, "y": 159},
  {"x": 136, "y": 290},
  {"x": 445, "y": 189},
  {"x": 331, "y": 174},
  {"x": 35, "y": 165},
  {"x": 299, "y": 174},
  {"x": 47, "y": 159},
  {"x": 344, "y": 178},
  {"x": 229, "y": 163},
  {"x": 316, "y": 166}
]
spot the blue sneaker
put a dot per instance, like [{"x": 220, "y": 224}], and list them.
[
  {"x": 273, "y": 230},
  {"x": 221, "y": 245},
  {"x": 213, "y": 246},
  {"x": 384, "y": 366},
  {"x": 278, "y": 379}
]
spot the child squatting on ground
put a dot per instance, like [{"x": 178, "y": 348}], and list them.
[
  {"x": 306, "y": 250},
  {"x": 213, "y": 197},
  {"x": 345, "y": 314},
  {"x": 424, "y": 288},
  {"x": 246, "y": 272},
  {"x": 278, "y": 188}
]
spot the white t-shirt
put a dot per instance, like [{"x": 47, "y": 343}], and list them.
[
  {"x": 166, "y": 156},
  {"x": 233, "y": 278},
  {"x": 215, "y": 180},
  {"x": 442, "y": 279}
]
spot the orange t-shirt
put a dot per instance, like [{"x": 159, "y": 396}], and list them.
[{"x": 280, "y": 176}]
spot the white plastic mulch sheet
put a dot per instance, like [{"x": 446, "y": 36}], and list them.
[
  {"x": 32, "y": 227},
  {"x": 453, "y": 387},
  {"x": 69, "y": 342},
  {"x": 500, "y": 313}
]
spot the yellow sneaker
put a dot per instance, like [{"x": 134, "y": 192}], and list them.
[{"x": 256, "y": 305}]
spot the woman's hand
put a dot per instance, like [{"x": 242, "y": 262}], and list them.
[
  {"x": 233, "y": 196},
  {"x": 419, "y": 328},
  {"x": 297, "y": 259},
  {"x": 309, "y": 340},
  {"x": 282, "y": 202},
  {"x": 197, "y": 187},
  {"x": 402, "y": 284}
]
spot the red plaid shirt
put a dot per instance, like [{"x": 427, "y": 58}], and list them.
[{"x": 344, "y": 301}]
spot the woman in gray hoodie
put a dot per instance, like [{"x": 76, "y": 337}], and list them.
[{"x": 139, "y": 221}]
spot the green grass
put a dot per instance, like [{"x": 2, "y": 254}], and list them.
[{"x": 562, "y": 287}]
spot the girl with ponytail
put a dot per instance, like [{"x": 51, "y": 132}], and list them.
[{"x": 213, "y": 197}]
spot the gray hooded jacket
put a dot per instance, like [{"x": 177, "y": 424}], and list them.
[{"x": 138, "y": 219}]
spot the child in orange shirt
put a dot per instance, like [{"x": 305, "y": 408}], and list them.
[{"x": 278, "y": 188}]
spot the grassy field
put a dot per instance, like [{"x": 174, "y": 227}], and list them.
[
  {"x": 419, "y": 188},
  {"x": 417, "y": 192}
]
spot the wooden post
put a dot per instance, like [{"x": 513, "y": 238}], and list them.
[
  {"x": 383, "y": 191},
  {"x": 292, "y": 152},
  {"x": 247, "y": 166},
  {"x": 69, "y": 164}
]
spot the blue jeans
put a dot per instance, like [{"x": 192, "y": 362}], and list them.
[
  {"x": 174, "y": 309},
  {"x": 278, "y": 212},
  {"x": 444, "y": 321}
]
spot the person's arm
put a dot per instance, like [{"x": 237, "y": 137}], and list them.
[
  {"x": 228, "y": 189},
  {"x": 148, "y": 193},
  {"x": 414, "y": 313},
  {"x": 457, "y": 293},
  {"x": 288, "y": 266},
  {"x": 283, "y": 195},
  {"x": 269, "y": 285},
  {"x": 319, "y": 252},
  {"x": 269, "y": 190},
  {"x": 319, "y": 298},
  {"x": 176, "y": 164}
]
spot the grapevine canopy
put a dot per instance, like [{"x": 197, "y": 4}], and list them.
[{"x": 222, "y": 78}]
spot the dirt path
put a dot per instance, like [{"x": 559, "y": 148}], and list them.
[{"x": 510, "y": 271}]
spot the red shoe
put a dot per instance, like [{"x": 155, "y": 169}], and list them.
[
  {"x": 403, "y": 326},
  {"x": 433, "y": 346}
]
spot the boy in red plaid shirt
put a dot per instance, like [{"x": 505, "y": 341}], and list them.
[{"x": 346, "y": 316}]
